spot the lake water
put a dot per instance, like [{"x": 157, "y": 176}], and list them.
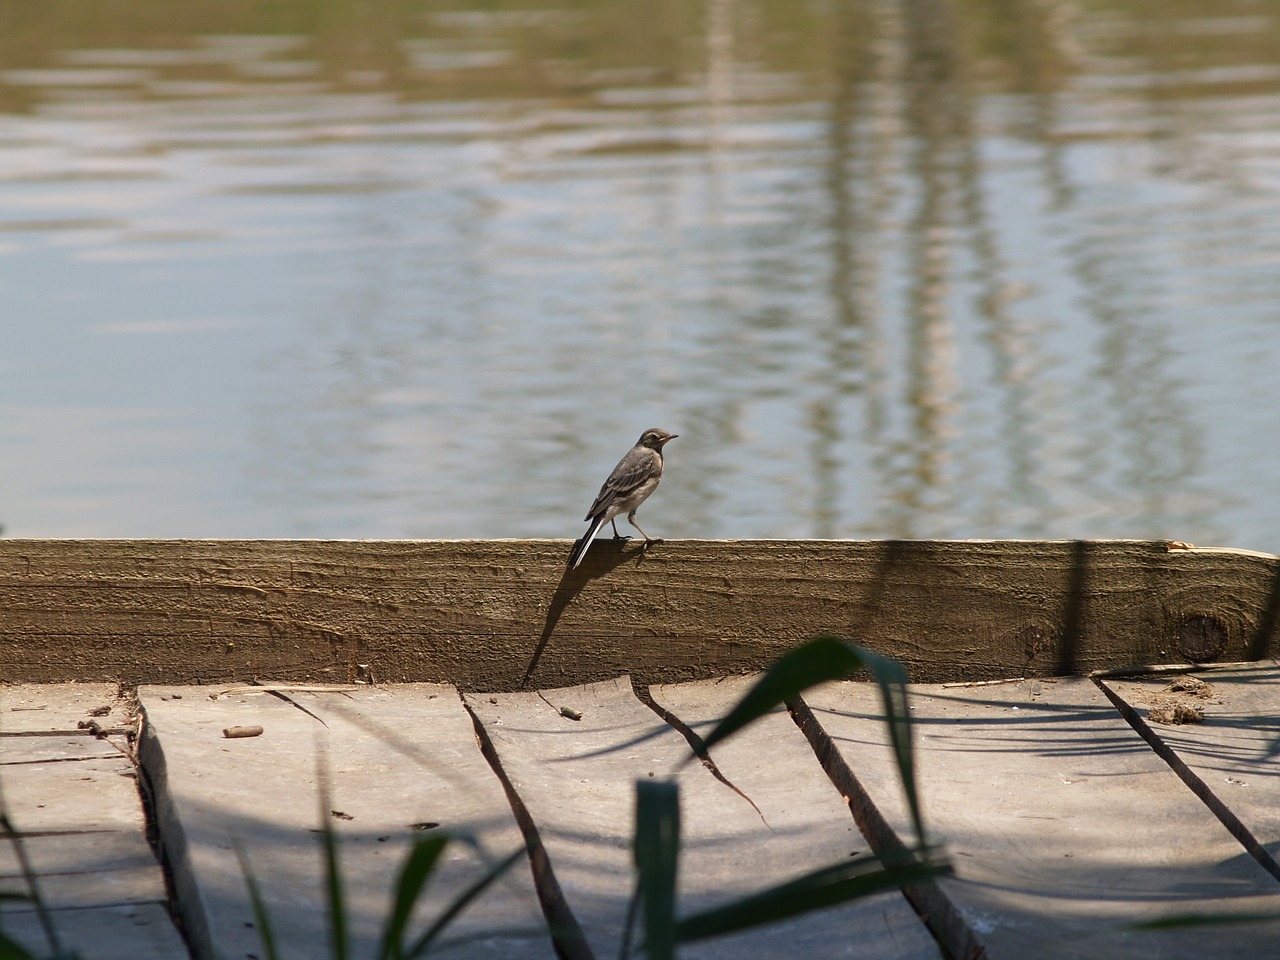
[{"x": 891, "y": 268}]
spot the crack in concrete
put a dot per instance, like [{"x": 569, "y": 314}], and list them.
[
  {"x": 945, "y": 921},
  {"x": 1204, "y": 793},
  {"x": 645, "y": 696},
  {"x": 567, "y": 938}
]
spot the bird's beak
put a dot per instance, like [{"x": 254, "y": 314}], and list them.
[{"x": 670, "y": 438}]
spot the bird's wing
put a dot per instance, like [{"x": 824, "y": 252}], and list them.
[{"x": 632, "y": 471}]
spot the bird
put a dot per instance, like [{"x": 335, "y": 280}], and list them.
[{"x": 629, "y": 485}]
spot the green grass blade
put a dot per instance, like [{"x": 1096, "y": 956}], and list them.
[
  {"x": 891, "y": 678},
  {"x": 657, "y": 853},
  {"x": 333, "y": 889},
  {"x": 260, "y": 916},
  {"x": 826, "y": 887},
  {"x": 421, "y": 945},
  {"x": 339, "y": 942},
  {"x": 820, "y": 660},
  {"x": 1181, "y": 921},
  {"x": 414, "y": 874},
  {"x": 12, "y": 949}
]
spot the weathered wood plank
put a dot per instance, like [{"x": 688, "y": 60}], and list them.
[
  {"x": 803, "y": 823},
  {"x": 1064, "y": 827},
  {"x": 501, "y": 614},
  {"x": 401, "y": 762}
]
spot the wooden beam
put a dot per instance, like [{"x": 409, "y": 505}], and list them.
[{"x": 502, "y": 614}]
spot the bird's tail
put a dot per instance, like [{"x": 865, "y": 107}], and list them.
[{"x": 580, "y": 548}]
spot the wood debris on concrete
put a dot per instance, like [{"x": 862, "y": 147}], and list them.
[{"x": 1235, "y": 753}]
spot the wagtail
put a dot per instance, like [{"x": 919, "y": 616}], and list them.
[{"x": 629, "y": 485}]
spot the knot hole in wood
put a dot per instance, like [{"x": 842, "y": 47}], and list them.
[{"x": 1201, "y": 638}]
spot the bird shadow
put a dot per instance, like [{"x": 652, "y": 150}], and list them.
[{"x": 604, "y": 556}]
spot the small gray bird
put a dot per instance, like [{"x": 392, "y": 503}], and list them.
[{"x": 629, "y": 485}]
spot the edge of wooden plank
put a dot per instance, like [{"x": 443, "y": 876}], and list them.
[{"x": 505, "y": 614}]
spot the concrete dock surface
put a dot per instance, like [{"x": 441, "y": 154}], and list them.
[{"x": 1072, "y": 810}]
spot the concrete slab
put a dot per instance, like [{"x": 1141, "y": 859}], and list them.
[
  {"x": 576, "y": 778},
  {"x": 402, "y": 761},
  {"x": 1236, "y": 750},
  {"x": 803, "y": 823},
  {"x": 36, "y": 707},
  {"x": 1063, "y": 825},
  {"x": 127, "y": 932},
  {"x": 122, "y": 884},
  {"x": 74, "y": 798},
  {"x": 53, "y": 747},
  {"x": 93, "y": 852},
  {"x": 98, "y": 793}
]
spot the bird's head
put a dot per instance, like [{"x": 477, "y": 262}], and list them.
[{"x": 654, "y": 438}]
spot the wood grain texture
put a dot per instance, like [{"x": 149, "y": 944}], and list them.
[{"x": 502, "y": 614}]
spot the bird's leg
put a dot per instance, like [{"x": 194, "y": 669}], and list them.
[
  {"x": 631, "y": 519},
  {"x": 617, "y": 535}
]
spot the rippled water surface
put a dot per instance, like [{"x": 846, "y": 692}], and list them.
[{"x": 891, "y": 268}]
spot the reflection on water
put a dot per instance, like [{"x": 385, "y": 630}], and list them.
[{"x": 910, "y": 268}]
